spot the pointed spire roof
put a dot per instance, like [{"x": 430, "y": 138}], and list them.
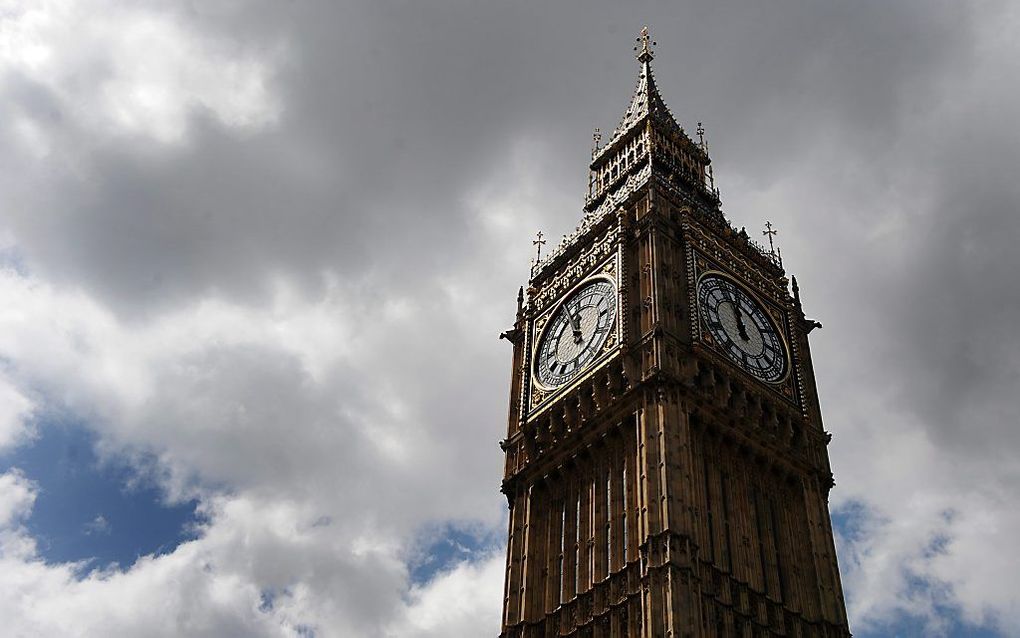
[
  {"x": 648, "y": 141},
  {"x": 646, "y": 100}
]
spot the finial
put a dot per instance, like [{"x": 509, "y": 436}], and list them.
[
  {"x": 645, "y": 49},
  {"x": 538, "y": 243},
  {"x": 770, "y": 232},
  {"x": 596, "y": 141},
  {"x": 520, "y": 302},
  {"x": 701, "y": 135}
]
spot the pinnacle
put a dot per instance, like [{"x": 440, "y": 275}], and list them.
[{"x": 646, "y": 100}]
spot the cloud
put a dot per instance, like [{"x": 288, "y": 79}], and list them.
[
  {"x": 275, "y": 432},
  {"x": 98, "y": 526},
  {"x": 464, "y": 601},
  {"x": 256, "y": 571},
  {"x": 263, "y": 250},
  {"x": 16, "y": 498},
  {"x": 15, "y": 414},
  {"x": 125, "y": 70}
]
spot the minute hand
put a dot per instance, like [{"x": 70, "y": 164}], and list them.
[
  {"x": 741, "y": 328},
  {"x": 575, "y": 325}
]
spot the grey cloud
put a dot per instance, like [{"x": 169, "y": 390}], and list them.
[
  {"x": 877, "y": 136},
  {"x": 390, "y": 109}
]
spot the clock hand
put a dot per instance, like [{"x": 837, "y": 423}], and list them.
[
  {"x": 575, "y": 324},
  {"x": 741, "y": 328}
]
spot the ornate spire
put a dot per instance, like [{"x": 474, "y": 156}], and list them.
[
  {"x": 646, "y": 100},
  {"x": 648, "y": 140}
]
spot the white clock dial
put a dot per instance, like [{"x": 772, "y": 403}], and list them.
[
  {"x": 742, "y": 328},
  {"x": 576, "y": 333}
]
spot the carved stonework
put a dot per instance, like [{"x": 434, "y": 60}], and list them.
[{"x": 554, "y": 286}]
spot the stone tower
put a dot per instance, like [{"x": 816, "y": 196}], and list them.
[{"x": 666, "y": 464}]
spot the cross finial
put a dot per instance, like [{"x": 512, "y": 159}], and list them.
[
  {"x": 645, "y": 49},
  {"x": 770, "y": 232},
  {"x": 701, "y": 134},
  {"x": 538, "y": 242},
  {"x": 596, "y": 141}
]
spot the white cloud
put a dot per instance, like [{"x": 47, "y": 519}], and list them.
[
  {"x": 17, "y": 495},
  {"x": 931, "y": 530},
  {"x": 314, "y": 478},
  {"x": 130, "y": 68},
  {"x": 463, "y": 601},
  {"x": 15, "y": 412},
  {"x": 261, "y": 568},
  {"x": 97, "y": 526}
]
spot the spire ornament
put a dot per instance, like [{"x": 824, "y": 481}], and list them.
[
  {"x": 770, "y": 232},
  {"x": 538, "y": 243},
  {"x": 644, "y": 50}
]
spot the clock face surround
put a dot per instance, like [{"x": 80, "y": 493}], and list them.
[
  {"x": 576, "y": 333},
  {"x": 741, "y": 327}
]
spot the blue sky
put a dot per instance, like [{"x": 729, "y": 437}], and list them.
[{"x": 100, "y": 512}]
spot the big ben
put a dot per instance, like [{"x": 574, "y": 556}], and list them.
[{"x": 666, "y": 470}]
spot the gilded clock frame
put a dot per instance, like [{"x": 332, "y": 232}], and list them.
[
  {"x": 541, "y": 396},
  {"x": 611, "y": 339},
  {"x": 775, "y": 316}
]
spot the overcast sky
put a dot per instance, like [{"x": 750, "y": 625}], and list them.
[{"x": 254, "y": 257}]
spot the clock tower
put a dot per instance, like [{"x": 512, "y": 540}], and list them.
[{"x": 666, "y": 465}]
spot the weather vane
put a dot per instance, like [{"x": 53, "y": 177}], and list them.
[{"x": 770, "y": 232}]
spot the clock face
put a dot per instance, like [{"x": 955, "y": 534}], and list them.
[
  {"x": 742, "y": 328},
  {"x": 576, "y": 333}
]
